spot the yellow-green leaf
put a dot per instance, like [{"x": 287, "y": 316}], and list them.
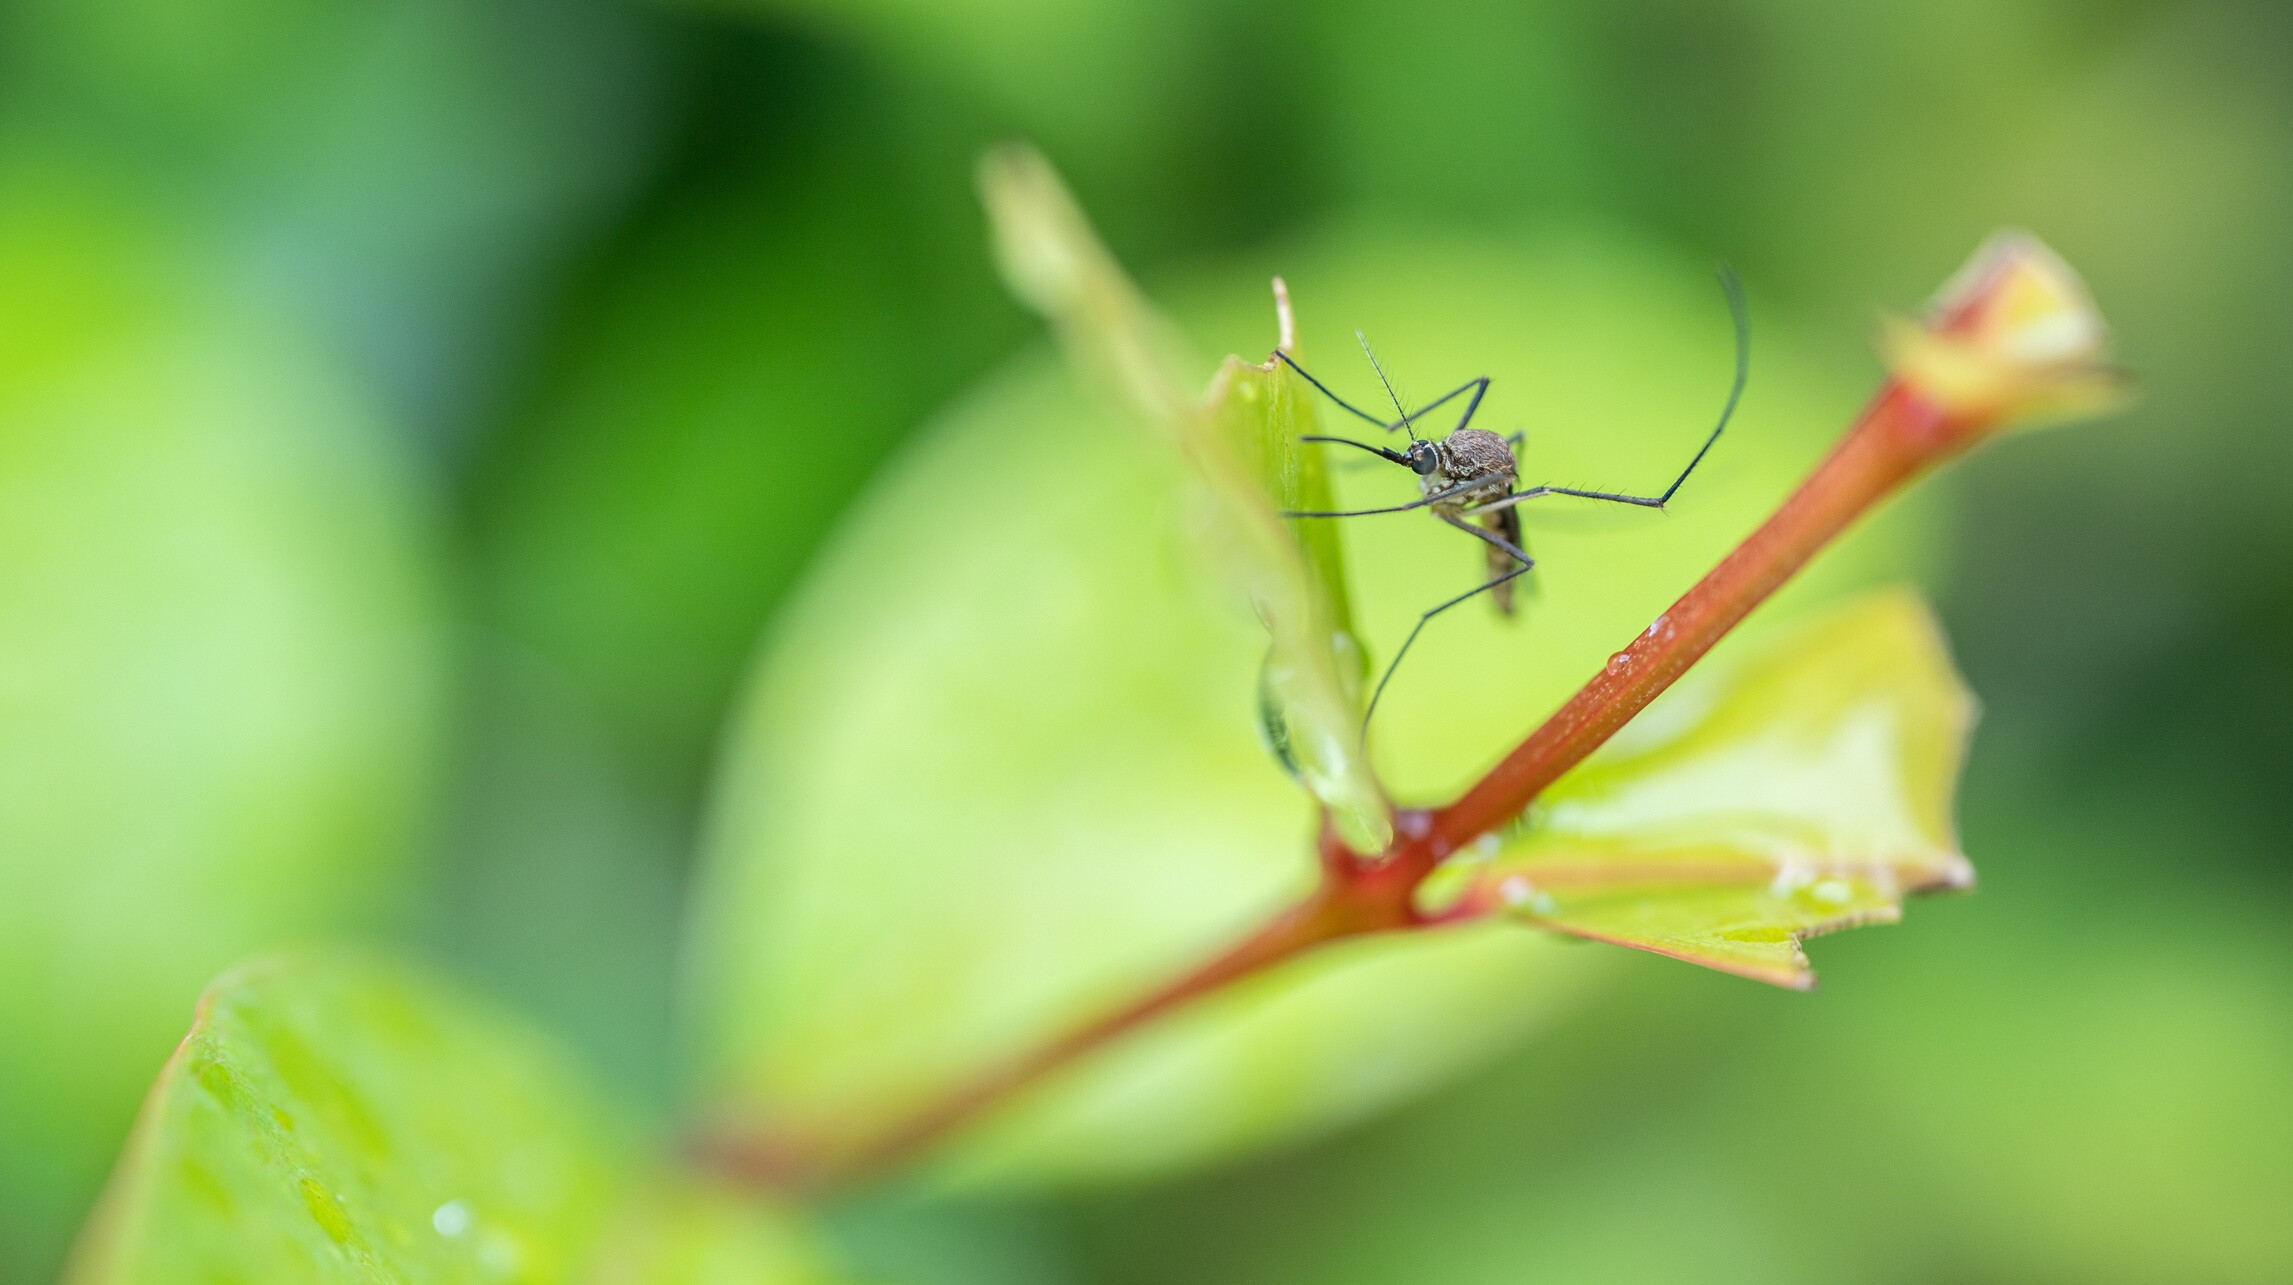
[
  {"x": 1772, "y": 796},
  {"x": 995, "y": 776},
  {"x": 220, "y": 671},
  {"x": 678, "y": 1230},
  {"x": 335, "y": 1117},
  {"x": 1241, "y": 440}
]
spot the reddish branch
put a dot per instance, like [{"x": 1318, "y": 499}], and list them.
[{"x": 1898, "y": 436}]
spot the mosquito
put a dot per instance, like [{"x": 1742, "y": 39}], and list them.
[{"x": 1470, "y": 474}]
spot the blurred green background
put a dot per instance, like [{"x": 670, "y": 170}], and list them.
[{"x": 411, "y": 413}]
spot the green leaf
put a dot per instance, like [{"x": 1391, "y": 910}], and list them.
[
  {"x": 1330, "y": 1037},
  {"x": 403, "y": 174},
  {"x": 678, "y": 1231},
  {"x": 997, "y": 771},
  {"x": 722, "y": 377},
  {"x": 718, "y": 390},
  {"x": 219, "y": 669},
  {"x": 339, "y": 1117},
  {"x": 1242, "y": 440},
  {"x": 1771, "y": 796}
]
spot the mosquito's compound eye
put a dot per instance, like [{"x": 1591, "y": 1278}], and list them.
[{"x": 1424, "y": 459}]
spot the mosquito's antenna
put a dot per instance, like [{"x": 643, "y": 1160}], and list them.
[
  {"x": 1741, "y": 315},
  {"x": 1396, "y": 456},
  {"x": 1407, "y": 427}
]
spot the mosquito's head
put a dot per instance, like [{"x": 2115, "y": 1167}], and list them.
[{"x": 1423, "y": 458}]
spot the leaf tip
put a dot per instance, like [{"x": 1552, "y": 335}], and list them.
[
  {"x": 1040, "y": 238},
  {"x": 1285, "y": 321},
  {"x": 2012, "y": 338}
]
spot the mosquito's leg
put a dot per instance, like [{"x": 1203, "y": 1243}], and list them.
[
  {"x": 1535, "y": 492},
  {"x": 1480, "y": 386},
  {"x": 1422, "y": 620},
  {"x": 1736, "y": 311},
  {"x": 1499, "y": 546},
  {"x": 1520, "y": 555},
  {"x": 1437, "y": 497},
  {"x": 1516, "y": 552},
  {"x": 1477, "y": 386},
  {"x": 1349, "y": 407}
]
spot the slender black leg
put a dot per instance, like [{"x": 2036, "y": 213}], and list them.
[
  {"x": 1483, "y": 533},
  {"x": 1478, "y": 387},
  {"x": 1449, "y": 493},
  {"x": 1742, "y": 319},
  {"x": 1502, "y": 533},
  {"x": 1537, "y": 492},
  {"x": 1410, "y": 641},
  {"x": 1514, "y": 550},
  {"x": 1343, "y": 404}
]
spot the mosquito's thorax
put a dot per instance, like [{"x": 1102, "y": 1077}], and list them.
[{"x": 1472, "y": 455}]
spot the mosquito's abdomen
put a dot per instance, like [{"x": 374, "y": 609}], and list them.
[{"x": 1505, "y": 523}]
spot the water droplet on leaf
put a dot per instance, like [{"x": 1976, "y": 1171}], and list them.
[{"x": 451, "y": 1218}]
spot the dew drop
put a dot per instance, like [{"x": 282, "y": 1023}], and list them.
[
  {"x": 1794, "y": 874},
  {"x": 1273, "y": 722},
  {"x": 451, "y": 1218},
  {"x": 1617, "y": 662}
]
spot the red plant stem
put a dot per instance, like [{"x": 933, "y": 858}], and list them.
[
  {"x": 1898, "y": 436},
  {"x": 775, "y": 1163},
  {"x": 1343, "y": 904}
]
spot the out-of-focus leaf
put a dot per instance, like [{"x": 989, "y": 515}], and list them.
[
  {"x": 721, "y": 380},
  {"x": 997, "y": 773},
  {"x": 335, "y": 1117},
  {"x": 218, "y": 669},
  {"x": 1092, "y": 78},
  {"x": 723, "y": 375},
  {"x": 1328, "y": 1038},
  {"x": 676, "y": 1231},
  {"x": 400, "y": 175},
  {"x": 1242, "y": 440},
  {"x": 1768, "y": 797}
]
